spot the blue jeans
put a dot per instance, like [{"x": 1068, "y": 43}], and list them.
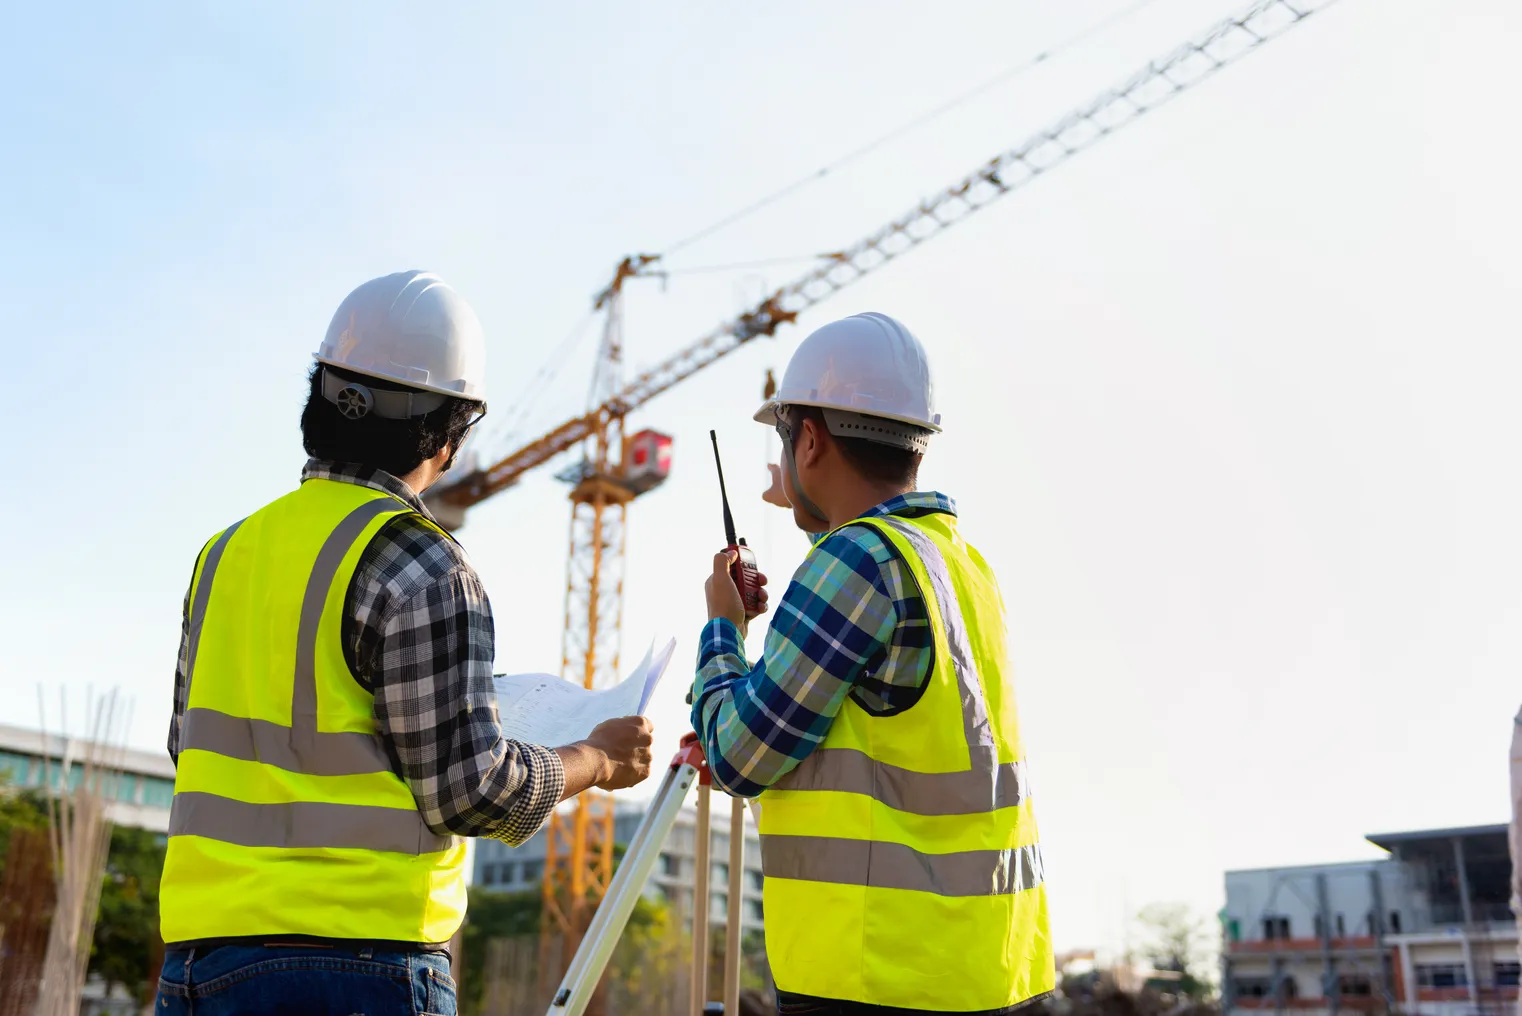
[{"x": 304, "y": 981}]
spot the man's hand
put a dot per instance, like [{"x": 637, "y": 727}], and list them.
[
  {"x": 774, "y": 494},
  {"x": 724, "y": 596},
  {"x": 615, "y": 755}
]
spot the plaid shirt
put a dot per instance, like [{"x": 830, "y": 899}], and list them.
[
  {"x": 417, "y": 634},
  {"x": 852, "y": 622}
]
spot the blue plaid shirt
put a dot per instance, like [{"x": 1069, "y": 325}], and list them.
[{"x": 852, "y": 622}]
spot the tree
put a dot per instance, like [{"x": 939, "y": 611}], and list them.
[
  {"x": 1174, "y": 938},
  {"x": 19, "y": 809},
  {"x": 127, "y": 929}
]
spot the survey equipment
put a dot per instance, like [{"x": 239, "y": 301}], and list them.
[{"x": 688, "y": 767}]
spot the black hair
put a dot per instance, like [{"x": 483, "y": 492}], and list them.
[
  {"x": 396, "y": 446},
  {"x": 879, "y": 463}
]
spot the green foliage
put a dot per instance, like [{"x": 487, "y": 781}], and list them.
[
  {"x": 1175, "y": 938},
  {"x": 127, "y": 929},
  {"x": 19, "y": 809},
  {"x": 643, "y": 956},
  {"x": 517, "y": 915}
]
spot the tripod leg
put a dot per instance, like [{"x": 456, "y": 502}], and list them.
[
  {"x": 699, "y": 995},
  {"x": 732, "y": 932},
  {"x": 628, "y": 883}
]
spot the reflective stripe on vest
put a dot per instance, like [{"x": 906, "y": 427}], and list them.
[
  {"x": 299, "y": 748},
  {"x": 987, "y": 785},
  {"x": 902, "y": 866},
  {"x": 896, "y": 866}
]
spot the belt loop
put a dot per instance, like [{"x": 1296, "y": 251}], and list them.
[{"x": 190, "y": 995}]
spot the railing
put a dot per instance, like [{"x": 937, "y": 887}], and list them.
[{"x": 1484, "y": 913}]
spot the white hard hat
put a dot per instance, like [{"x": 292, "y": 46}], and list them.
[
  {"x": 863, "y": 370},
  {"x": 411, "y": 328}
]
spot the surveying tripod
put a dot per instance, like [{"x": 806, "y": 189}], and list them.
[{"x": 596, "y": 948}]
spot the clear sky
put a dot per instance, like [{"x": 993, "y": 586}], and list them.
[{"x": 1229, "y": 400}]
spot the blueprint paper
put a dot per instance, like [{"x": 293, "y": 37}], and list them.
[{"x": 544, "y": 709}]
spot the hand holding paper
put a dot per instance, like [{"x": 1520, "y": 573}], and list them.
[{"x": 544, "y": 709}]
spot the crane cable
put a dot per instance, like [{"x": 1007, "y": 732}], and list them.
[
  {"x": 547, "y": 372},
  {"x": 541, "y": 381},
  {"x": 1102, "y": 25}
]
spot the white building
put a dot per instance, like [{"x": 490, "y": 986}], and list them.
[
  {"x": 143, "y": 793},
  {"x": 1426, "y": 931},
  {"x": 518, "y": 869}
]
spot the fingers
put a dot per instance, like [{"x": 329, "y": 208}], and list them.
[{"x": 722, "y": 560}]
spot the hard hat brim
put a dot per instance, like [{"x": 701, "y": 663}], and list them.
[
  {"x": 400, "y": 383},
  {"x": 768, "y": 413}
]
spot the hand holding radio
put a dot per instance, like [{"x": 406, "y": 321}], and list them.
[
  {"x": 743, "y": 595},
  {"x": 724, "y": 594}
]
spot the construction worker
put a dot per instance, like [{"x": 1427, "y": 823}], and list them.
[
  {"x": 902, "y": 868},
  {"x": 335, "y": 732}
]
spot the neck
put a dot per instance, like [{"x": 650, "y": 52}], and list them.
[
  {"x": 421, "y": 478},
  {"x": 859, "y": 500}
]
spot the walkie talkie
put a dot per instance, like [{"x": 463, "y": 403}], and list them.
[{"x": 743, "y": 571}]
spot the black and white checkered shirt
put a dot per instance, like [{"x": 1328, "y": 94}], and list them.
[{"x": 417, "y": 634}]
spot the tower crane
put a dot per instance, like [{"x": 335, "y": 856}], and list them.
[{"x": 615, "y": 468}]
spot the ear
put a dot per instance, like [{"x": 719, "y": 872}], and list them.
[{"x": 810, "y": 450}]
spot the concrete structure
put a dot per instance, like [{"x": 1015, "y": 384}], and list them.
[
  {"x": 143, "y": 793},
  {"x": 521, "y": 869},
  {"x": 1426, "y": 931}
]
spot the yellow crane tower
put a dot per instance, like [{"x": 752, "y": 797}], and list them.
[{"x": 615, "y": 467}]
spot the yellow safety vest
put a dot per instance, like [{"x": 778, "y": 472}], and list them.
[
  {"x": 287, "y": 818},
  {"x": 901, "y": 857}
]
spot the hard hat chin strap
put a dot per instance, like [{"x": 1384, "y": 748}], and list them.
[{"x": 785, "y": 432}]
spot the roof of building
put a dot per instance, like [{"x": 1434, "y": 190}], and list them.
[
  {"x": 34, "y": 742},
  {"x": 1388, "y": 840},
  {"x": 1325, "y": 866}
]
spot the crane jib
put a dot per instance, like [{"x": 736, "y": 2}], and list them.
[{"x": 1147, "y": 89}]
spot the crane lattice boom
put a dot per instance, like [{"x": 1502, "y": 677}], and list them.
[{"x": 1147, "y": 89}]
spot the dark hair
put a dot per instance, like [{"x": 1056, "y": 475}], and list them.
[
  {"x": 879, "y": 463},
  {"x": 397, "y": 446}
]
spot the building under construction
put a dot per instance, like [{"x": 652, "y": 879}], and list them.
[{"x": 1426, "y": 931}]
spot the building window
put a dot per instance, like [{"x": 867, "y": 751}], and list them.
[
  {"x": 753, "y": 876},
  {"x": 488, "y": 874},
  {"x": 1275, "y": 927},
  {"x": 720, "y": 906},
  {"x": 754, "y": 912},
  {"x": 1355, "y": 984},
  {"x": 1252, "y": 987},
  {"x": 17, "y": 767},
  {"x": 721, "y": 874},
  {"x": 1395, "y": 921},
  {"x": 671, "y": 864},
  {"x": 533, "y": 870},
  {"x": 1342, "y": 929},
  {"x": 1441, "y": 975},
  {"x": 507, "y": 872},
  {"x": 1508, "y": 974},
  {"x": 157, "y": 793}
]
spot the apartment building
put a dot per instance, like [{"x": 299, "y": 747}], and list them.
[{"x": 142, "y": 794}]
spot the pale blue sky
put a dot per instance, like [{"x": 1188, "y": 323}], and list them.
[{"x": 1230, "y": 400}]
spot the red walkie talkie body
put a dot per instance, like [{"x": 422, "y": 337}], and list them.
[{"x": 746, "y": 575}]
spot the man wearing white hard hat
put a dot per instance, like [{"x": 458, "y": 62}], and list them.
[
  {"x": 902, "y": 867},
  {"x": 334, "y": 732}
]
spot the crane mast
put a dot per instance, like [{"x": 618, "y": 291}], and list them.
[
  {"x": 580, "y": 845},
  {"x": 578, "y": 862}
]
